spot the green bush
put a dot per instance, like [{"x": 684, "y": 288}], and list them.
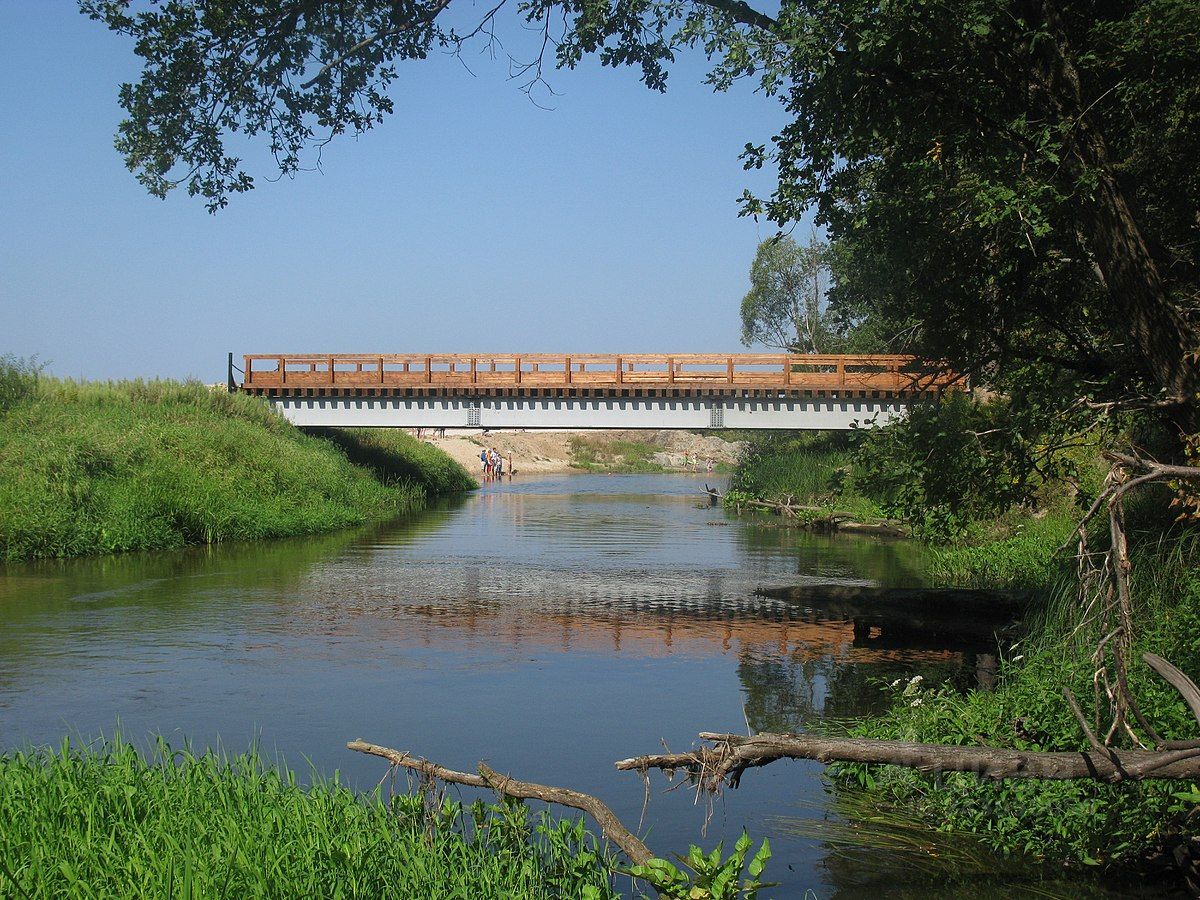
[{"x": 948, "y": 464}]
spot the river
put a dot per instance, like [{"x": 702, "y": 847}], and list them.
[{"x": 549, "y": 626}]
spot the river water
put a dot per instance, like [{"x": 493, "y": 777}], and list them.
[{"x": 548, "y": 626}]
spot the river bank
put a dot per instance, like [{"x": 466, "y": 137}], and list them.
[
  {"x": 1141, "y": 827},
  {"x": 89, "y": 468}
]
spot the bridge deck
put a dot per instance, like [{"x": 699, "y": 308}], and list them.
[{"x": 589, "y": 374}]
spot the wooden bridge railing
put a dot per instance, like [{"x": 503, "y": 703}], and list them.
[{"x": 895, "y": 374}]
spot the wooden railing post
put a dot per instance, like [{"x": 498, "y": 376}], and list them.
[
  {"x": 247, "y": 370},
  {"x": 567, "y": 369},
  {"x": 283, "y": 370},
  {"x": 517, "y": 370},
  {"x": 841, "y": 372},
  {"x": 429, "y": 370},
  {"x": 620, "y": 370},
  {"x": 787, "y": 370},
  {"x": 474, "y": 369},
  {"x": 381, "y": 370},
  {"x": 729, "y": 368}
]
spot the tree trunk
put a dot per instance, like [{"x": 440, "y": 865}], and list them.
[{"x": 1158, "y": 330}]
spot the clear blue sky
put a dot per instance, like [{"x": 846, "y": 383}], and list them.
[{"x": 471, "y": 220}]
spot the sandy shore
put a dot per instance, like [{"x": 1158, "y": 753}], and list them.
[{"x": 550, "y": 451}]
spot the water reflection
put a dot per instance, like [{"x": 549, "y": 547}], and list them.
[{"x": 551, "y": 626}]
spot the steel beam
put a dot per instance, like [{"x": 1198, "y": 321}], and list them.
[{"x": 690, "y": 413}]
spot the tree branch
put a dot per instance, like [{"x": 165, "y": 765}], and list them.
[
  {"x": 429, "y": 15},
  {"x": 731, "y": 754},
  {"x": 743, "y": 13},
  {"x": 610, "y": 826}
]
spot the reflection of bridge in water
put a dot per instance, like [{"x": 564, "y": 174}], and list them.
[
  {"x": 640, "y": 613},
  {"x": 544, "y": 390}
]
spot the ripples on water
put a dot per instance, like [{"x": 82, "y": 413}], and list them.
[{"x": 550, "y": 626}]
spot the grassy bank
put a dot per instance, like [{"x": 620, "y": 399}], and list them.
[
  {"x": 1082, "y": 823},
  {"x": 109, "y": 467},
  {"x": 813, "y": 468},
  {"x": 1079, "y": 823},
  {"x": 106, "y": 822}
]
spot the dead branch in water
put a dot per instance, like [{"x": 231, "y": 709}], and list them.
[
  {"x": 730, "y": 755},
  {"x": 813, "y": 518},
  {"x": 610, "y": 826}
]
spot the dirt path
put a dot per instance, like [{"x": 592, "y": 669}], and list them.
[{"x": 554, "y": 451}]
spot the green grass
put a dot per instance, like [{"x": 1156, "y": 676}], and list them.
[
  {"x": 109, "y": 467},
  {"x": 107, "y": 822},
  {"x": 395, "y": 456}
]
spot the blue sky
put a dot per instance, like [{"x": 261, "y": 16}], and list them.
[{"x": 471, "y": 220}]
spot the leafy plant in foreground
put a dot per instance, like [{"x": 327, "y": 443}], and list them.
[{"x": 713, "y": 876}]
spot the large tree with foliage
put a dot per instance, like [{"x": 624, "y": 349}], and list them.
[
  {"x": 1014, "y": 181},
  {"x": 785, "y": 307}
]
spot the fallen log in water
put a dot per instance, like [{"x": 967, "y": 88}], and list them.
[
  {"x": 812, "y": 518},
  {"x": 731, "y": 754},
  {"x": 711, "y": 767}
]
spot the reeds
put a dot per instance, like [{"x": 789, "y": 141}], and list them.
[{"x": 107, "y": 822}]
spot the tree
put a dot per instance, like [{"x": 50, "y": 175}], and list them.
[
  {"x": 785, "y": 306},
  {"x": 1015, "y": 178}
]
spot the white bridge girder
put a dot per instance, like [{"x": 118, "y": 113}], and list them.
[{"x": 690, "y": 413}]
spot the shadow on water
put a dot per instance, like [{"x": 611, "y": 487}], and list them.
[{"x": 549, "y": 626}]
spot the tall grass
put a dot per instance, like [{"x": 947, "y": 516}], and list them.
[
  {"x": 18, "y": 380},
  {"x": 146, "y": 465},
  {"x": 811, "y": 468},
  {"x": 108, "y": 822}
]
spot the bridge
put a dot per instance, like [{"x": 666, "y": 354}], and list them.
[{"x": 582, "y": 391}]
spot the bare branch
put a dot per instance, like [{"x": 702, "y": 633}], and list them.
[
  {"x": 610, "y": 826},
  {"x": 731, "y": 754}
]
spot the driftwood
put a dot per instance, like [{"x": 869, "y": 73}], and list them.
[
  {"x": 731, "y": 754},
  {"x": 812, "y": 518},
  {"x": 486, "y": 777}
]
